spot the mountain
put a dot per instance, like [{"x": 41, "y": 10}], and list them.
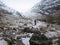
[
  {"x": 9, "y": 10},
  {"x": 47, "y": 9},
  {"x": 8, "y": 16}
]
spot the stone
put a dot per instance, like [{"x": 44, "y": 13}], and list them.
[{"x": 38, "y": 39}]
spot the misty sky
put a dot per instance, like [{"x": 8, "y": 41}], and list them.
[{"x": 21, "y": 5}]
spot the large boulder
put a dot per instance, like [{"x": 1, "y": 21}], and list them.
[{"x": 38, "y": 39}]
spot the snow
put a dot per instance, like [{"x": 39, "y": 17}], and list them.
[
  {"x": 30, "y": 34},
  {"x": 40, "y": 24},
  {"x": 51, "y": 34},
  {"x": 26, "y": 40},
  {"x": 3, "y": 42}
]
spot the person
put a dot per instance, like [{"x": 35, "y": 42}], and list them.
[
  {"x": 35, "y": 22},
  {"x": 50, "y": 42}
]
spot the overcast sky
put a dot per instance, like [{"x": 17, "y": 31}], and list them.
[{"x": 21, "y": 5}]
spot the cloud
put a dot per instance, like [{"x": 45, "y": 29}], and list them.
[{"x": 20, "y": 5}]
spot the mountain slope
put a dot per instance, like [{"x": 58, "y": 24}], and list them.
[
  {"x": 8, "y": 15},
  {"x": 47, "y": 9}
]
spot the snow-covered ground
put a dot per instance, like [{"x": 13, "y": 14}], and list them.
[
  {"x": 26, "y": 40},
  {"x": 50, "y": 34},
  {"x": 3, "y": 42},
  {"x": 40, "y": 24}
]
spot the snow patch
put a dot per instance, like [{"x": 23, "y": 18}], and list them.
[
  {"x": 3, "y": 42},
  {"x": 26, "y": 40}
]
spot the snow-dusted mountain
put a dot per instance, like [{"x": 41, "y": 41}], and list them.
[
  {"x": 9, "y": 16},
  {"x": 46, "y": 9},
  {"x": 6, "y": 9}
]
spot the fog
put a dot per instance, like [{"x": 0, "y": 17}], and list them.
[{"x": 21, "y": 5}]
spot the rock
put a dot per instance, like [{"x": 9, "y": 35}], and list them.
[
  {"x": 19, "y": 42},
  {"x": 38, "y": 39}
]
